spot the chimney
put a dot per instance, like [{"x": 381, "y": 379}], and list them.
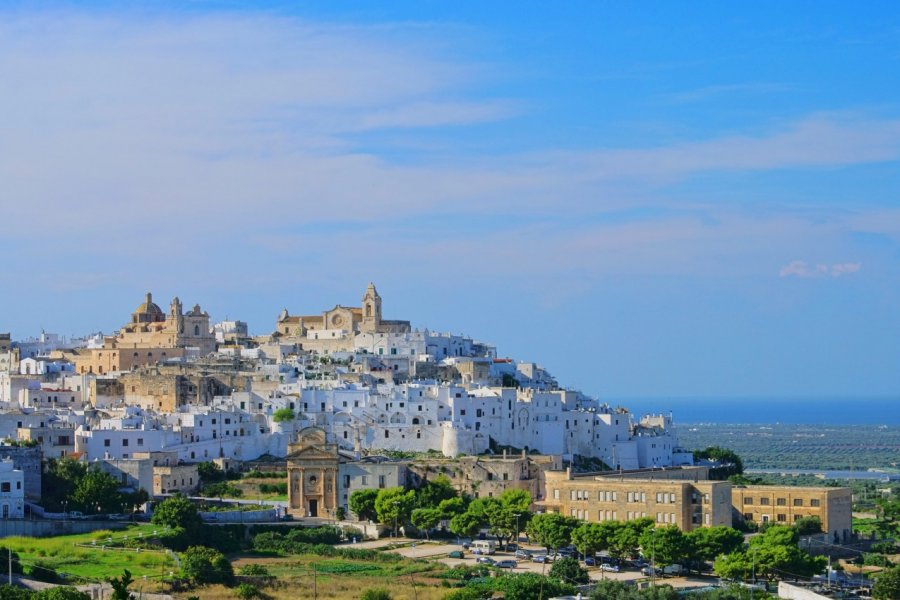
[{"x": 568, "y": 472}]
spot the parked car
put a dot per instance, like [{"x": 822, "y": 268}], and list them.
[
  {"x": 522, "y": 553},
  {"x": 540, "y": 558},
  {"x": 506, "y": 564},
  {"x": 485, "y": 560},
  {"x": 638, "y": 564},
  {"x": 672, "y": 570},
  {"x": 648, "y": 570},
  {"x": 456, "y": 554},
  {"x": 510, "y": 548},
  {"x": 590, "y": 562},
  {"x": 609, "y": 568}
]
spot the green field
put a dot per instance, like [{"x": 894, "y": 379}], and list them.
[{"x": 81, "y": 557}]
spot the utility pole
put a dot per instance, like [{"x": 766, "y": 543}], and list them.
[
  {"x": 315, "y": 584},
  {"x": 10, "y": 564}
]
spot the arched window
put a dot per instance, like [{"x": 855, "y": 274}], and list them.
[
  {"x": 415, "y": 421},
  {"x": 368, "y": 310},
  {"x": 196, "y": 330}
]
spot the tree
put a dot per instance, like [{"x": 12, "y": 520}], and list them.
[
  {"x": 731, "y": 463},
  {"x": 210, "y": 472},
  {"x": 708, "y": 543},
  {"x": 98, "y": 490},
  {"x": 120, "y": 586},
  {"x": 551, "y": 530},
  {"x": 569, "y": 570},
  {"x": 362, "y": 503},
  {"x": 433, "y": 492},
  {"x": 626, "y": 539},
  {"x": 590, "y": 538},
  {"x": 667, "y": 545},
  {"x": 177, "y": 511},
  {"x": 466, "y": 524},
  {"x": 59, "y": 480},
  {"x": 808, "y": 525},
  {"x": 426, "y": 519},
  {"x": 204, "y": 565},
  {"x": 887, "y": 585},
  {"x": 393, "y": 506},
  {"x": 283, "y": 414},
  {"x": 769, "y": 555},
  {"x": 451, "y": 507}
]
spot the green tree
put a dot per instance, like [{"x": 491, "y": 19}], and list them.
[
  {"x": 426, "y": 519},
  {"x": 626, "y": 539},
  {"x": 59, "y": 480},
  {"x": 11, "y": 592},
  {"x": 770, "y": 554},
  {"x": 451, "y": 507},
  {"x": 708, "y": 543},
  {"x": 120, "y": 586},
  {"x": 887, "y": 585},
  {"x": 393, "y": 506},
  {"x": 210, "y": 472},
  {"x": 283, "y": 414},
  {"x": 591, "y": 538},
  {"x": 808, "y": 525},
  {"x": 551, "y": 530},
  {"x": 248, "y": 591},
  {"x": 432, "y": 493},
  {"x": 466, "y": 524},
  {"x": 569, "y": 570},
  {"x": 98, "y": 491},
  {"x": 730, "y": 461},
  {"x": 362, "y": 503},
  {"x": 667, "y": 545},
  {"x": 531, "y": 586},
  {"x": 178, "y": 512},
  {"x": 202, "y": 565}
]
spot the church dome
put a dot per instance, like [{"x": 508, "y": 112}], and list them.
[{"x": 148, "y": 312}]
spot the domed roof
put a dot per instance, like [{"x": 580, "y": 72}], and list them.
[{"x": 148, "y": 307}]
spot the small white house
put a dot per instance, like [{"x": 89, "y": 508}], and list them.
[{"x": 12, "y": 491}]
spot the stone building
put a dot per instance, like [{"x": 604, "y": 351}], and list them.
[
  {"x": 151, "y": 336},
  {"x": 336, "y": 328},
  {"x": 488, "y": 476},
  {"x": 312, "y": 467},
  {"x": 687, "y": 504},
  {"x": 785, "y": 504},
  {"x": 165, "y": 388}
]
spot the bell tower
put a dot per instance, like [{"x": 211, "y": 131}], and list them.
[{"x": 371, "y": 309}]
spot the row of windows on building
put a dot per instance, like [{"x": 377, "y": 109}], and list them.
[
  {"x": 748, "y": 501},
  {"x": 611, "y": 496},
  {"x": 780, "y": 517},
  {"x": 6, "y": 486}
]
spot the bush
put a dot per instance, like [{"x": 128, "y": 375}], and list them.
[
  {"x": 203, "y": 565},
  {"x": 255, "y": 571},
  {"x": 283, "y": 414},
  {"x": 569, "y": 570},
  {"x": 376, "y": 594},
  {"x": 248, "y": 591},
  {"x": 222, "y": 489},
  {"x": 273, "y": 488}
]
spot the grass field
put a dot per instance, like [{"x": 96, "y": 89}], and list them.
[
  {"x": 68, "y": 555},
  {"x": 336, "y": 579}
]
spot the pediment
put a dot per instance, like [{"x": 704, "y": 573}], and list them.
[{"x": 313, "y": 453}]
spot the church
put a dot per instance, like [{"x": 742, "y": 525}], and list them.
[{"x": 151, "y": 336}]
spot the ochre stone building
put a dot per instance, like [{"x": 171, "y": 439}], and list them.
[
  {"x": 784, "y": 505},
  {"x": 312, "y": 466}
]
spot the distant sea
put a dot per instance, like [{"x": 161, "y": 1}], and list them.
[{"x": 770, "y": 410}]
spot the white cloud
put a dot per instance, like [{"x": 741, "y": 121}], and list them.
[{"x": 800, "y": 268}]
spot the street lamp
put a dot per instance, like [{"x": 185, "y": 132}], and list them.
[{"x": 396, "y": 516}]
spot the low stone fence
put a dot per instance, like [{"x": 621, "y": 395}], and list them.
[{"x": 240, "y": 516}]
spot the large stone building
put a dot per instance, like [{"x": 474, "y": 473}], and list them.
[
  {"x": 312, "y": 466},
  {"x": 150, "y": 337},
  {"x": 335, "y": 329},
  {"x": 784, "y": 505},
  {"x": 679, "y": 501}
]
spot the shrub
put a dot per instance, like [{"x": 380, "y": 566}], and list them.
[
  {"x": 255, "y": 570},
  {"x": 202, "y": 565},
  {"x": 376, "y": 594},
  {"x": 283, "y": 414},
  {"x": 248, "y": 591}
]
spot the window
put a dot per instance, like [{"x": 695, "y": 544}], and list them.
[
  {"x": 140, "y": 441},
  {"x": 798, "y": 501},
  {"x": 748, "y": 500},
  {"x": 781, "y": 501},
  {"x": 814, "y": 502},
  {"x": 365, "y": 480},
  {"x": 764, "y": 501},
  {"x": 106, "y": 443},
  {"x": 781, "y": 517},
  {"x": 381, "y": 481},
  {"x": 748, "y": 516},
  {"x": 5, "y": 487}
]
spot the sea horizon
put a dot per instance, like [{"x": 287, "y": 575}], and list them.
[{"x": 768, "y": 410}]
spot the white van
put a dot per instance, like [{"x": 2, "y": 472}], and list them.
[{"x": 483, "y": 547}]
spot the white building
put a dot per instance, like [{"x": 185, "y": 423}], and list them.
[{"x": 12, "y": 491}]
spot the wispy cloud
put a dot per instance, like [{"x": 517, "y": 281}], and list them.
[
  {"x": 802, "y": 269},
  {"x": 714, "y": 91}
]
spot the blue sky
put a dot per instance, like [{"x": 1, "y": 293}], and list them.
[{"x": 655, "y": 199}]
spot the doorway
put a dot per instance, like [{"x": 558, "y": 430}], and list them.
[{"x": 314, "y": 508}]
